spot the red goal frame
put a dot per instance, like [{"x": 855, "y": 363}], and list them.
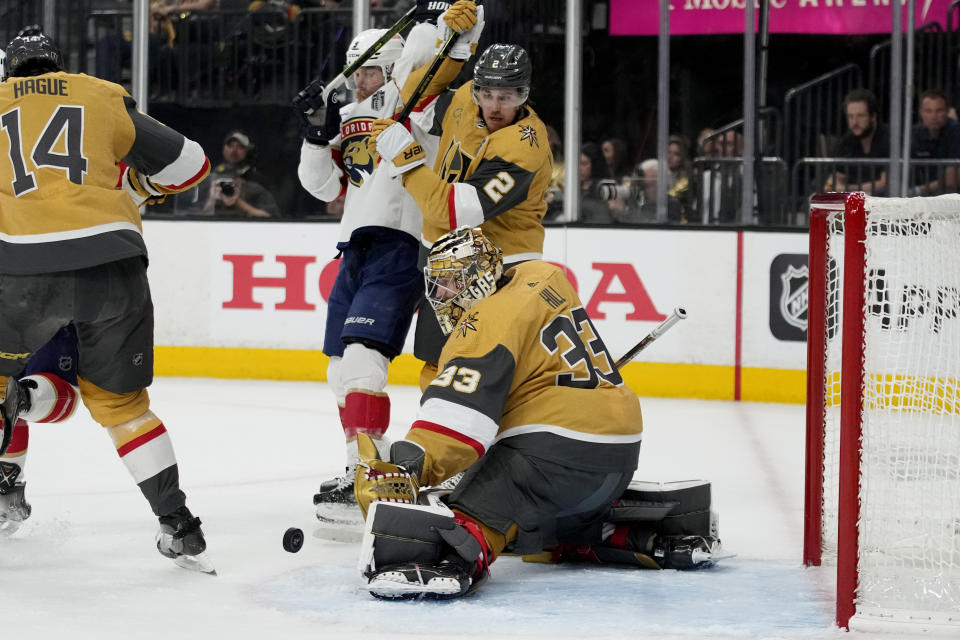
[{"x": 851, "y": 399}]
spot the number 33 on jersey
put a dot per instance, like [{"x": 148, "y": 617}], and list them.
[{"x": 526, "y": 363}]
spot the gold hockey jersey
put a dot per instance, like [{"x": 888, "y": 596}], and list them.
[
  {"x": 496, "y": 181},
  {"x": 527, "y": 365},
  {"x": 66, "y": 136}
]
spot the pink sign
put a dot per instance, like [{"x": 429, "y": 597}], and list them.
[{"x": 702, "y": 17}]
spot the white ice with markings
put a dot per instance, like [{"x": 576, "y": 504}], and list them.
[{"x": 252, "y": 453}]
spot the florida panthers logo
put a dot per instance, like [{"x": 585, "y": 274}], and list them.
[
  {"x": 357, "y": 161},
  {"x": 455, "y": 163}
]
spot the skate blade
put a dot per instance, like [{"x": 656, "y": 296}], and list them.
[
  {"x": 339, "y": 532},
  {"x": 340, "y": 513},
  {"x": 199, "y": 562},
  {"x": 339, "y": 522},
  {"x": 395, "y": 587},
  {"x": 9, "y": 527}
]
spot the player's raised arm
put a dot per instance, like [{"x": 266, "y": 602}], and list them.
[
  {"x": 160, "y": 161},
  {"x": 504, "y": 175},
  {"x": 463, "y": 18}
]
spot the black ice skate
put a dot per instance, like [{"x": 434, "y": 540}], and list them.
[
  {"x": 14, "y": 508},
  {"x": 337, "y": 510},
  {"x": 15, "y": 402},
  {"x": 181, "y": 539},
  {"x": 411, "y": 581}
]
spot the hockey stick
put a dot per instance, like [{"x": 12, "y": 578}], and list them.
[
  {"x": 398, "y": 26},
  {"x": 427, "y": 77},
  {"x": 678, "y": 314}
]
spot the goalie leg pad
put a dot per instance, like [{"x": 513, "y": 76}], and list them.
[
  {"x": 398, "y": 533},
  {"x": 669, "y": 508}
]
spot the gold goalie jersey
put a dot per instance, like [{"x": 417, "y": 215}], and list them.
[
  {"x": 68, "y": 138},
  {"x": 496, "y": 181},
  {"x": 527, "y": 367}
]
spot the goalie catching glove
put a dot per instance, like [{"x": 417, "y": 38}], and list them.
[
  {"x": 464, "y": 18},
  {"x": 377, "y": 480},
  {"x": 396, "y": 145}
]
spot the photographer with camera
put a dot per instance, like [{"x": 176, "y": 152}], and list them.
[
  {"x": 593, "y": 207},
  {"x": 639, "y": 196},
  {"x": 231, "y": 195}
]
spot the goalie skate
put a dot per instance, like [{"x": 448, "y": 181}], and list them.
[
  {"x": 416, "y": 581},
  {"x": 689, "y": 552},
  {"x": 181, "y": 539},
  {"x": 338, "y": 515}
]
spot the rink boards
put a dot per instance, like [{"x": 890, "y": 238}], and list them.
[{"x": 247, "y": 300}]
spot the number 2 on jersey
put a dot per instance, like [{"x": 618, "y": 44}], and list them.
[
  {"x": 66, "y": 122},
  {"x": 499, "y": 186}
]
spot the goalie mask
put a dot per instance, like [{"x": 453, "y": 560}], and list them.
[
  {"x": 385, "y": 58},
  {"x": 462, "y": 269}
]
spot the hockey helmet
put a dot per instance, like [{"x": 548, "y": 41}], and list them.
[
  {"x": 385, "y": 57},
  {"x": 31, "y": 55},
  {"x": 503, "y": 66},
  {"x": 462, "y": 269}
]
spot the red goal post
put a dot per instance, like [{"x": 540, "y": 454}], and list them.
[{"x": 882, "y": 493}]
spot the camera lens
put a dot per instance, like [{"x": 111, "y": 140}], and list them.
[{"x": 227, "y": 189}]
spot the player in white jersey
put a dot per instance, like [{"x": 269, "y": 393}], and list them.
[{"x": 379, "y": 284}]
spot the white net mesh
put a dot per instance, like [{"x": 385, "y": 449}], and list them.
[{"x": 909, "y": 524}]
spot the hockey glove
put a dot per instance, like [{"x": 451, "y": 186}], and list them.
[
  {"x": 319, "y": 121},
  {"x": 429, "y": 10},
  {"x": 377, "y": 479},
  {"x": 465, "y": 18},
  {"x": 140, "y": 188},
  {"x": 397, "y": 145}
]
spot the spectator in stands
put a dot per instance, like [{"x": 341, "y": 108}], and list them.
[
  {"x": 616, "y": 164},
  {"x": 866, "y": 137},
  {"x": 252, "y": 198},
  {"x": 644, "y": 207},
  {"x": 237, "y": 153},
  {"x": 554, "y": 196},
  {"x": 678, "y": 162},
  {"x": 231, "y": 195},
  {"x": 706, "y": 147},
  {"x": 114, "y": 50},
  {"x": 730, "y": 144},
  {"x": 936, "y": 137},
  {"x": 592, "y": 208}
]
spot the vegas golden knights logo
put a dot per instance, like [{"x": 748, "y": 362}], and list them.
[{"x": 455, "y": 163}]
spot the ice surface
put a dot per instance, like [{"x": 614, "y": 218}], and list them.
[{"x": 252, "y": 454}]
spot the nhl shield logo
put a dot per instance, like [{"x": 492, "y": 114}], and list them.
[{"x": 793, "y": 296}]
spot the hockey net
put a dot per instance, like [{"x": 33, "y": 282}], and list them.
[{"x": 883, "y": 408}]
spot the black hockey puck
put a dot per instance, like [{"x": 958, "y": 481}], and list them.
[{"x": 293, "y": 539}]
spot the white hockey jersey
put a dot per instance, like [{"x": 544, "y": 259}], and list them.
[{"x": 373, "y": 198}]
